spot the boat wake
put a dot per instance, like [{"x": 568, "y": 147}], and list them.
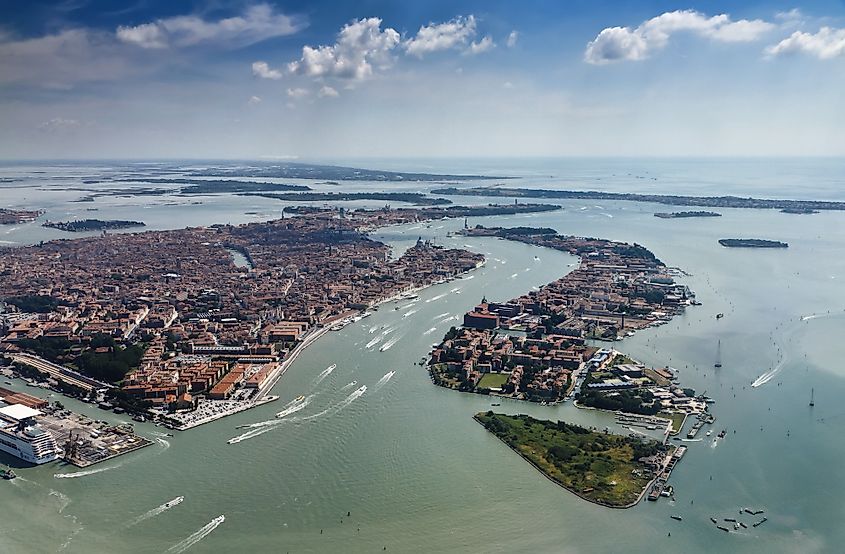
[
  {"x": 374, "y": 342},
  {"x": 197, "y": 536},
  {"x": 156, "y": 511},
  {"x": 76, "y": 474},
  {"x": 691, "y": 440},
  {"x": 444, "y": 314},
  {"x": 438, "y": 297},
  {"x": 389, "y": 344},
  {"x": 410, "y": 313},
  {"x": 292, "y": 407},
  {"x": 373, "y": 329},
  {"x": 325, "y": 373},
  {"x": 388, "y": 331},
  {"x": 430, "y": 331},
  {"x": 348, "y": 386},
  {"x": 255, "y": 432},
  {"x": 515, "y": 275},
  {"x": 383, "y": 381},
  {"x": 356, "y": 394},
  {"x": 164, "y": 443}
]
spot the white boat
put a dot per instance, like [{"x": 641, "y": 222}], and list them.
[
  {"x": 299, "y": 398},
  {"x": 22, "y": 437}
]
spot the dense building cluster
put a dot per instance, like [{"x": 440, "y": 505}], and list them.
[
  {"x": 210, "y": 326},
  {"x": 536, "y": 343}
]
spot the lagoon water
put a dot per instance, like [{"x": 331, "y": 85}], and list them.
[{"x": 405, "y": 458}]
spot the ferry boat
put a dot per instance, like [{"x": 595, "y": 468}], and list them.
[{"x": 22, "y": 437}]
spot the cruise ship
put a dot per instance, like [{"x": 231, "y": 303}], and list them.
[{"x": 22, "y": 437}]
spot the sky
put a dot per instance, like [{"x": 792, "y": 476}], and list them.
[{"x": 321, "y": 79}]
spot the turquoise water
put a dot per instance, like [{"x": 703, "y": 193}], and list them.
[{"x": 418, "y": 474}]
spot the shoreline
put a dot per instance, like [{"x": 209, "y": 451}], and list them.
[{"x": 564, "y": 487}]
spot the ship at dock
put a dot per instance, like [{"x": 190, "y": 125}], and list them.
[{"x": 22, "y": 437}]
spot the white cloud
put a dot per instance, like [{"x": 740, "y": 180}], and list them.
[
  {"x": 792, "y": 15},
  {"x": 263, "y": 71},
  {"x": 253, "y": 100},
  {"x": 441, "y": 36},
  {"x": 361, "y": 46},
  {"x": 623, "y": 43},
  {"x": 255, "y": 24},
  {"x": 60, "y": 124},
  {"x": 484, "y": 45},
  {"x": 61, "y": 59},
  {"x": 297, "y": 92},
  {"x": 513, "y": 37},
  {"x": 827, "y": 43},
  {"x": 327, "y": 91}
]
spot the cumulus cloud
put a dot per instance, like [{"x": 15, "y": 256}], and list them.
[
  {"x": 257, "y": 23},
  {"x": 327, "y": 91},
  {"x": 623, "y": 43},
  {"x": 297, "y": 92},
  {"x": 513, "y": 37},
  {"x": 484, "y": 45},
  {"x": 263, "y": 71},
  {"x": 361, "y": 46},
  {"x": 253, "y": 100},
  {"x": 827, "y": 43},
  {"x": 441, "y": 36}
]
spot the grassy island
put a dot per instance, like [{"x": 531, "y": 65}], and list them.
[
  {"x": 752, "y": 243},
  {"x": 599, "y": 467}
]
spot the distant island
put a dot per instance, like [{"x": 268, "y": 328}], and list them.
[
  {"x": 672, "y": 200},
  {"x": 331, "y": 173},
  {"x": 201, "y": 186},
  {"x": 12, "y": 217},
  {"x": 410, "y": 197},
  {"x": 681, "y": 215},
  {"x": 801, "y": 211},
  {"x": 610, "y": 470},
  {"x": 752, "y": 243},
  {"x": 83, "y": 225}
]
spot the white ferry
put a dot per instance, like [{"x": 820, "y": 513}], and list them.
[{"x": 22, "y": 437}]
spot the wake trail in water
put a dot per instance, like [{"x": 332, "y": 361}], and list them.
[
  {"x": 430, "y": 331},
  {"x": 156, "y": 511},
  {"x": 374, "y": 342},
  {"x": 515, "y": 275},
  {"x": 410, "y": 313},
  {"x": 292, "y": 407},
  {"x": 76, "y": 474},
  {"x": 197, "y": 536},
  {"x": 389, "y": 344},
  {"x": 325, "y": 373},
  {"x": 388, "y": 331},
  {"x": 438, "y": 297},
  {"x": 373, "y": 329},
  {"x": 348, "y": 386},
  {"x": 164, "y": 443},
  {"x": 357, "y": 393},
  {"x": 444, "y": 314},
  {"x": 383, "y": 381}
]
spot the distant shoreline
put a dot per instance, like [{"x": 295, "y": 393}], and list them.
[{"x": 793, "y": 206}]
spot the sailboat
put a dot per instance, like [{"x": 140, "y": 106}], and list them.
[
  {"x": 718, "y": 354},
  {"x": 812, "y": 397}
]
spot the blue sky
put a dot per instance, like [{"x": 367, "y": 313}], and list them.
[{"x": 321, "y": 79}]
